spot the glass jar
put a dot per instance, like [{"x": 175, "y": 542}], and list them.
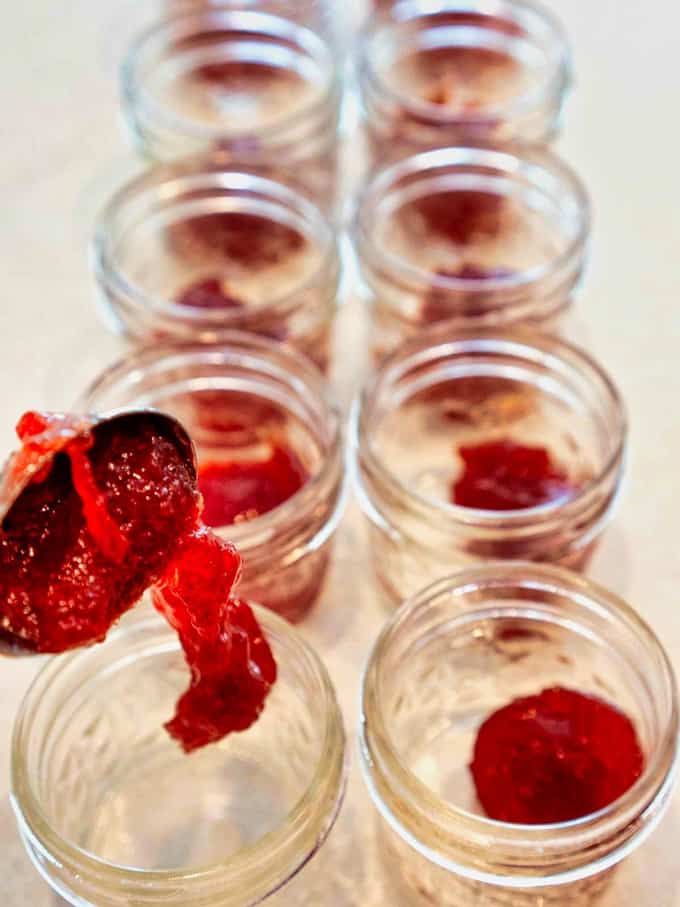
[
  {"x": 317, "y": 14},
  {"x": 195, "y": 250},
  {"x": 258, "y": 88},
  {"x": 452, "y": 656},
  {"x": 242, "y": 402},
  {"x": 447, "y": 392},
  {"x": 448, "y": 73},
  {"x": 480, "y": 236},
  {"x": 113, "y": 813}
]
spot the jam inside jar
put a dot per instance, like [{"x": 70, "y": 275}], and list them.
[
  {"x": 269, "y": 453},
  {"x": 520, "y": 454},
  {"x": 461, "y": 72},
  {"x": 594, "y": 688},
  {"x": 194, "y": 250},
  {"x": 478, "y": 236}
]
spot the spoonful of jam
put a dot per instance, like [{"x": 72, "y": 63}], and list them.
[{"x": 95, "y": 511}]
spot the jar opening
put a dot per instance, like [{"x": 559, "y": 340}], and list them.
[
  {"x": 512, "y": 59},
  {"x": 99, "y": 786}
]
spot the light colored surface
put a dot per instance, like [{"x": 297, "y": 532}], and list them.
[{"x": 62, "y": 148}]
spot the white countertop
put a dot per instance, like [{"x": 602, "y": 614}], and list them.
[{"x": 62, "y": 149}]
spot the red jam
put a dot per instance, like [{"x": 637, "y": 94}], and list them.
[
  {"x": 504, "y": 475},
  {"x": 462, "y": 216},
  {"x": 239, "y": 490},
  {"x": 438, "y": 305},
  {"x": 238, "y": 237},
  {"x": 113, "y": 513},
  {"x": 208, "y": 294},
  {"x": 554, "y": 757}
]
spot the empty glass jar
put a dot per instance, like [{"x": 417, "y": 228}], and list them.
[
  {"x": 453, "y": 655},
  {"x": 258, "y": 88},
  {"x": 454, "y": 72},
  {"x": 197, "y": 249},
  {"x": 484, "y": 237},
  {"x": 113, "y": 813},
  {"x": 252, "y": 405},
  {"x": 422, "y": 424}
]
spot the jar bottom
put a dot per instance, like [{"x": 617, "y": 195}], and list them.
[{"x": 413, "y": 881}]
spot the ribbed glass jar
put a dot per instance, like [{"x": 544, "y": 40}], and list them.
[
  {"x": 447, "y": 392},
  {"x": 113, "y": 813},
  {"x": 459, "y": 71},
  {"x": 243, "y": 401},
  {"x": 449, "y": 658},
  {"x": 484, "y": 237},
  {"x": 194, "y": 250},
  {"x": 258, "y": 88}
]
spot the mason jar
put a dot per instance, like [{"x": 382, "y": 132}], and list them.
[
  {"x": 113, "y": 813},
  {"x": 448, "y": 392},
  {"x": 197, "y": 249},
  {"x": 433, "y": 75},
  {"x": 484, "y": 237},
  {"x": 257, "y": 88},
  {"x": 454, "y": 654},
  {"x": 240, "y": 401}
]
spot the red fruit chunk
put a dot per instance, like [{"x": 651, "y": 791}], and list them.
[
  {"x": 208, "y": 294},
  {"x": 241, "y": 490},
  {"x": 439, "y": 305},
  {"x": 503, "y": 475},
  {"x": 554, "y": 757},
  {"x": 91, "y": 531}
]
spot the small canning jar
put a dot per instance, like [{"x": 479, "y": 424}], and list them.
[
  {"x": 447, "y": 392},
  {"x": 258, "y": 88},
  {"x": 197, "y": 249},
  {"x": 239, "y": 401},
  {"x": 113, "y": 813},
  {"x": 448, "y": 659},
  {"x": 453, "y": 72},
  {"x": 480, "y": 236}
]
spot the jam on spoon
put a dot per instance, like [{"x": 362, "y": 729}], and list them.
[{"x": 104, "y": 511}]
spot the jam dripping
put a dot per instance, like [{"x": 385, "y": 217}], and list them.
[
  {"x": 554, "y": 757},
  {"x": 504, "y": 475},
  {"x": 240, "y": 490},
  {"x": 107, "y": 512}
]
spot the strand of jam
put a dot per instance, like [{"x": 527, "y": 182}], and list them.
[
  {"x": 63, "y": 581},
  {"x": 554, "y": 757},
  {"x": 504, "y": 475}
]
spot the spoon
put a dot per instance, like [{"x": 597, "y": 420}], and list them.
[{"x": 39, "y": 452}]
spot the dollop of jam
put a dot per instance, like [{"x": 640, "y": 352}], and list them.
[
  {"x": 108, "y": 511},
  {"x": 554, "y": 757},
  {"x": 208, "y": 294},
  {"x": 462, "y": 216},
  {"x": 238, "y": 237},
  {"x": 239, "y": 490},
  {"x": 505, "y": 475}
]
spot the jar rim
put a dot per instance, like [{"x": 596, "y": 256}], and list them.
[
  {"x": 647, "y": 797},
  {"x": 283, "y": 361},
  {"x": 511, "y": 159},
  {"x": 258, "y": 22},
  {"x": 528, "y": 12},
  {"x": 230, "y": 176},
  {"x": 319, "y": 804},
  {"x": 522, "y": 341}
]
